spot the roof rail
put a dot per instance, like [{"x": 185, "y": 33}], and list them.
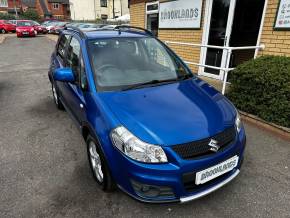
[
  {"x": 119, "y": 27},
  {"x": 76, "y": 29}
]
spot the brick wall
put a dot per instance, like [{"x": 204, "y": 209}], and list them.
[
  {"x": 38, "y": 8},
  {"x": 137, "y": 13},
  {"x": 276, "y": 42},
  {"x": 11, "y": 5},
  {"x": 61, "y": 12}
]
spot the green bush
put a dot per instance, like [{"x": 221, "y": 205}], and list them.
[
  {"x": 30, "y": 14},
  {"x": 262, "y": 87},
  {"x": 6, "y": 16}
]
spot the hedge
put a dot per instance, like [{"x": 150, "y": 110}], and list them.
[
  {"x": 30, "y": 14},
  {"x": 262, "y": 87}
]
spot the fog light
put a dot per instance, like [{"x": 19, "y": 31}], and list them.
[{"x": 152, "y": 191}]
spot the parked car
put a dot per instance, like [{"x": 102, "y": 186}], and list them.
[
  {"x": 151, "y": 128},
  {"x": 39, "y": 28},
  {"x": 46, "y": 22},
  {"x": 58, "y": 27},
  {"x": 90, "y": 25},
  {"x": 49, "y": 26},
  {"x": 13, "y": 22},
  {"x": 6, "y": 26},
  {"x": 73, "y": 24},
  {"x": 25, "y": 28}
]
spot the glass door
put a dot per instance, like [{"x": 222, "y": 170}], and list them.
[
  {"x": 152, "y": 13},
  {"x": 218, "y": 32}
]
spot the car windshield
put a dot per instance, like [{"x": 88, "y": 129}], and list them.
[
  {"x": 121, "y": 63},
  {"x": 60, "y": 24},
  {"x": 35, "y": 23},
  {"x": 24, "y": 23}
]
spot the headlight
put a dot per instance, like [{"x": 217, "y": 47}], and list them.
[
  {"x": 238, "y": 122},
  {"x": 136, "y": 149}
]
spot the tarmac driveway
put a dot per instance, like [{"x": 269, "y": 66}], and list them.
[{"x": 44, "y": 170}]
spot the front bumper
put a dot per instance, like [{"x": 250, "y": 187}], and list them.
[
  {"x": 210, "y": 190},
  {"x": 171, "y": 175},
  {"x": 30, "y": 34}
]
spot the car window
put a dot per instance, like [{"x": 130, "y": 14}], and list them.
[
  {"x": 24, "y": 23},
  {"x": 73, "y": 54},
  {"x": 62, "y": 45},
  {"x": 83, "y": 76}
]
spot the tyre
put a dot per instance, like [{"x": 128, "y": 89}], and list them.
[
  {"x": 3, "y": 31},
  {"x": 55, "y": 95},
  {"x": 99, "y": 166}
]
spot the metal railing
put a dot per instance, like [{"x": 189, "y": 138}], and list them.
[{"x": 226, "y": 69}]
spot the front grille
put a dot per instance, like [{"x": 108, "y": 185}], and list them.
[{"x": 201, "y": 148}]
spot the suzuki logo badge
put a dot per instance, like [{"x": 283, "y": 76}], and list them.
[{"x": 213, "y": 144}]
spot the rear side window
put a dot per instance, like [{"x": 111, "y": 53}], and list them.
[{"x": 62, "y": 45}]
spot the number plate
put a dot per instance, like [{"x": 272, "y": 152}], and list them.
[{"x": 216, "y": 171}]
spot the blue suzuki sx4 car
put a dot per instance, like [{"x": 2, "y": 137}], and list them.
[{"x": 152, "y": 129}]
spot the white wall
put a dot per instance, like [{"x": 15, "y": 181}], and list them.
[
  {"x": 85, "y": 9},
  {"x": 82, "y": 9}
]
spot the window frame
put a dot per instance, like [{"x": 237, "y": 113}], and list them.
[
  {"x": 77, "y": 81},
  {"x": 83, "y": 72},
  {"x": 54, "y": 6},
  {"x": 65, "y": 47},
  {"x": 4, "y": 3},
  {"x": 102, "y": 3}
]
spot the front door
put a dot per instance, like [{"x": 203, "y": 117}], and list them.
[
  {"x": 218, "y": 32},
  {"x": 230, "y": 23}
]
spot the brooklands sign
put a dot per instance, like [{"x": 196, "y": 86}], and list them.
[{"x": 180, "y": 14}]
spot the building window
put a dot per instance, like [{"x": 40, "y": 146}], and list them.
[
  {"x": 4, "y": 3},
  {"x": 104, "y": 3},
  {"x": 55, "y": 6},
  {"x": 104, "y": 17}
]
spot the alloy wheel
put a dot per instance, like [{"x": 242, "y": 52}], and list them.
[
  {"x": 96, "y": 162},
  {"x": 55, "y": 96}
]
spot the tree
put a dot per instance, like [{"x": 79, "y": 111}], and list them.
[{"x": 30, "y": 14}]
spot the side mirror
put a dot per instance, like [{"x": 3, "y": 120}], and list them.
[{"x": 64, "y": 75}]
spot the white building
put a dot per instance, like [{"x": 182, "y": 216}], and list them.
[{"x": 98, "y": 9}]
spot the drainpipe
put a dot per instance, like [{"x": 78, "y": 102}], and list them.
[
  {"x": 121, "y": 7},
  {"x": 113, "y": 9},
  {"x": 16, "y": 13},
  {"x": 95, "y": 12}
]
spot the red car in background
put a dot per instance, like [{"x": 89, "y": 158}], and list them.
[
  {"x": 6, "y": 26},
  {"x": 39, "y": 28},
  {"x": 25, "y": 28}
]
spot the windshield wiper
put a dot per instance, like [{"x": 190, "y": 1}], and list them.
[{"x": 153, "y": 82}]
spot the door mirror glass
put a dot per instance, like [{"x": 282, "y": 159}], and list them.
[{"x": 64, "y": 75}]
